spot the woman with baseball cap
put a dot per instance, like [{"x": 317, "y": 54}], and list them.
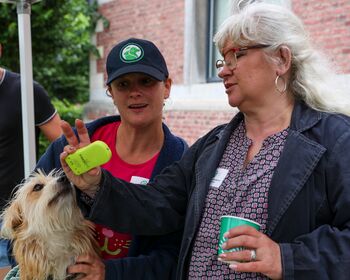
[{"x": 142, "y": 145}]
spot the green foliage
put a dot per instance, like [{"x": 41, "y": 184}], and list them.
[
  {"x": 61, "y": 32},
  {"x": 68, "y": 112}
]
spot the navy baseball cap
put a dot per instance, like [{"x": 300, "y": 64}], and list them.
[{"x": 136, "y": 55}]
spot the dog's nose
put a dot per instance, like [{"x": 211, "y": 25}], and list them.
[{"x": 63, "y": 179}]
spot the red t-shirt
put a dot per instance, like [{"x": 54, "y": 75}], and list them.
[{"x": 114, "y": 244}]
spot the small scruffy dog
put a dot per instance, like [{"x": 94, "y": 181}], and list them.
[{"x": 46, "y": 227}]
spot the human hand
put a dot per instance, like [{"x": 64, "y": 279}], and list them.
[
  {"x": 87, "y": 182},
  {"x": 90, "y": 266},
  {"x": 268, "y": 254}
]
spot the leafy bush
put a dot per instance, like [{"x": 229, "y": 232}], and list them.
[
  {"x": 61, "y": 33},
  {"x": 61, "y": 45},
  {"x": 67, "y": 110}
]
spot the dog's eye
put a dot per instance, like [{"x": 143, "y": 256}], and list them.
[{"x": 38, "y": 187}]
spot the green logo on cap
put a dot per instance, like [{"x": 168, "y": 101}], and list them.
[{"x": 131, "y": 53}]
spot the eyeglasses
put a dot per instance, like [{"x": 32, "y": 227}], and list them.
[{"x": 232, "y": 55}]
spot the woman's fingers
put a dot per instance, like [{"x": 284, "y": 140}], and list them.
[
  {"x": 244, "y": 240},
  {"x": 268, "y": 262},
  {"x": 237, "y": 231},
  {"x": 237, "y": 256},
  {"x": 68, "y": 149},
  {"x": 87, "y": 182},
  {"x": 82, "y": 132},
  {"x": 72, "y": 139},
  {"x": 69, "y": 133},
  {"x": 90, "y": 266},
  {"x": 257, "y": 252}
]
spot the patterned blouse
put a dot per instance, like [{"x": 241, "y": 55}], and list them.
[{"x": 243, "y": 192}]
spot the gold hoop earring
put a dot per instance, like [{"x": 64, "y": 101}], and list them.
[
  {"x": 108, "y": 93},
  {"x": 284, "y": 85}
]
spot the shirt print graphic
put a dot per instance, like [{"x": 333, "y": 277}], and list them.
[{"x": 113, "y": 245}]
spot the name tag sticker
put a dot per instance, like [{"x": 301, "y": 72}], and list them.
[
  {"x": 220, "y": 175},
  {"x": 139, "y": 180}
]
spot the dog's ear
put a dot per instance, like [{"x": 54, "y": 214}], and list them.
[{"x": 11, "y": 220}]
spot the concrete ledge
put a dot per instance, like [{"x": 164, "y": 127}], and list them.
[{"x": 198, "y": 97}]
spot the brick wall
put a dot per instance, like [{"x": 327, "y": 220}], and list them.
[
  {"x": 160, "y": 21},
  {"x": 191, "y": 125},
  {"x": 329, "y": 25}
]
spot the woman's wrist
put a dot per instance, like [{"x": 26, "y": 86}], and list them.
[
  {"x": 88, "y": 199},
  {"x": 93, "y": 184},
  {"x": 92, "y": 191}
]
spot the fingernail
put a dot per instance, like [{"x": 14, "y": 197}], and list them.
[
  {"x": 233, "y": 266},
  {"x": 223, "y": 246},
  {"x": 221, "y": 257},
  {"x": 226, "y": 234}
]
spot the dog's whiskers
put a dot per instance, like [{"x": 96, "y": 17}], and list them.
[{"x": 65, "y": 190}]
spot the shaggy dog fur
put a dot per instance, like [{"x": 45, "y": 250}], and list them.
[{"x": 46, "y": 227}]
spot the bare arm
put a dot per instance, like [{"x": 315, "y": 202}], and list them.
[{"x": 52, "y": 129}]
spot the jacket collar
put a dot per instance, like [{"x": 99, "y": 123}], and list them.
[
  {"x": 303, "y": 117},
  {"x": 226, "y": 132},
  {"x": 298, "y": 160}
]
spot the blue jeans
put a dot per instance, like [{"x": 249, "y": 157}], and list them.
[
  {"x": 4, "y": 260},
  {"x": 4, "y": 243}
]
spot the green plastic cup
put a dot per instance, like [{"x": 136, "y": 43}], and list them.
[{"x": 228, "y": 222}]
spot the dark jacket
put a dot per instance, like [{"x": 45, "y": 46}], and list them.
[
  {"x": 308, "y": 203},
  {"x": 149, "y": 257}
]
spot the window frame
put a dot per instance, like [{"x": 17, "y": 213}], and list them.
[{"x": 210, "y": 77}]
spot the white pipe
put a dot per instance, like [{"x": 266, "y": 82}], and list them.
[{"x": 24, "y": 32}]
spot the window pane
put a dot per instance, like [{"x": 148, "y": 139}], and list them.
[{"x": 220, "y": 10}]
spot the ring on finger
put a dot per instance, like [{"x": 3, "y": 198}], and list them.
[{"x": 253, "y": 255}]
